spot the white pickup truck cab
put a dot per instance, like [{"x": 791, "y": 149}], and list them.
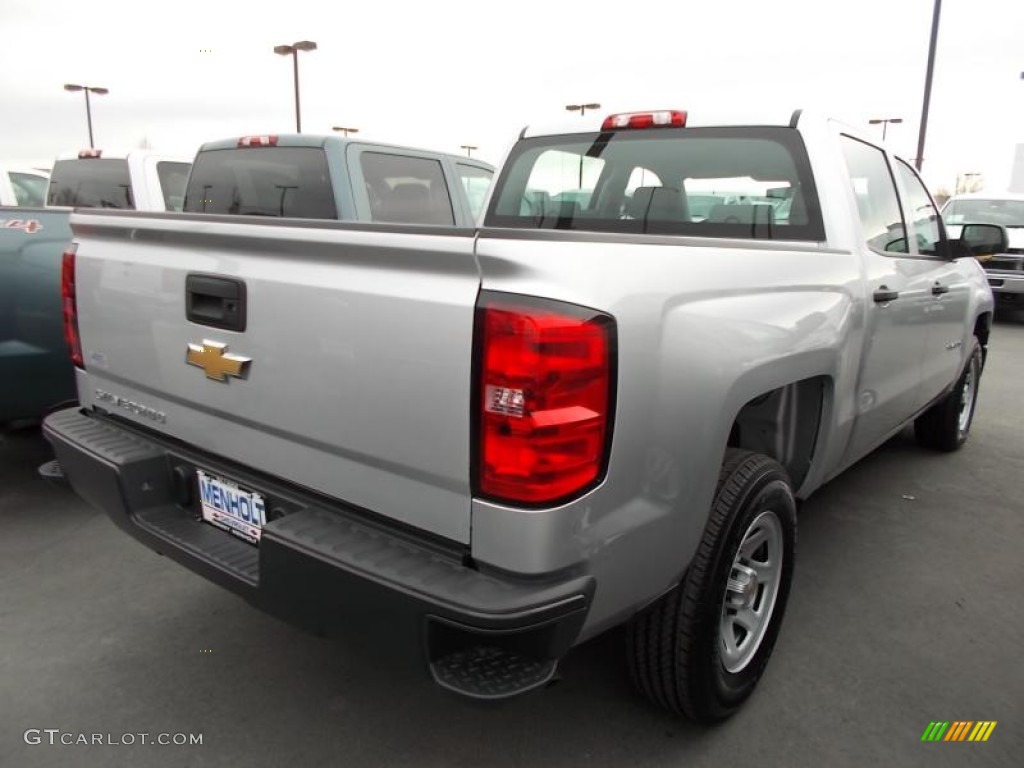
[
  {"x": 139, "y": 179},
  {"x": 597, "y": 408}
]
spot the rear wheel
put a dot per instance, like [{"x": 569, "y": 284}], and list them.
[
  {"x": 701, "y": 649},
  {"x": 945, "y": 426}
]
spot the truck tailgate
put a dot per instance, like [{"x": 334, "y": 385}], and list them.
[{"x": 360, "y": 342}]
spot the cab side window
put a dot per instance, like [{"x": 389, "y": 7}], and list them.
[
  {"x": 877, "y": 201},
  {"x": 924, "y": 217}
]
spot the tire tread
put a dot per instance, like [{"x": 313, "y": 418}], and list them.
[{"x": 662, "y": 639}]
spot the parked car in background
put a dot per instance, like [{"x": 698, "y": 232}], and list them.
[
  {"x": 35, "y": 374},
  {"x": 23, "y": 186},
  {"x": 141, "y": 180},
  {"x": 1005, "y": 270},
  {"x": 330, "y": 177}
]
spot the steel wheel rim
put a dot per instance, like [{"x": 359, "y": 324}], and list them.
[
  {"x": 967, "y": 400},
  {"x": 751, "y": 591}
]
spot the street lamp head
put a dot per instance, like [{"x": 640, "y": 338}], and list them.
[
  {"x": 582, "y": 108},
  {"x": 304, "y": 45},
  {"x": 592, "y": 106},
  {"x": 343, "y": 129},
  {"x": 73, "y": 87},
  {"x": 283, "y": 50},
  {"x": 100, "y": 91}
]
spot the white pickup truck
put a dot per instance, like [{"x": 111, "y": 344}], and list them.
[
  {"x": 1005, "y": 269},
  {"x": 139, "y": 179},
  {"x": 489, "y": 446}
]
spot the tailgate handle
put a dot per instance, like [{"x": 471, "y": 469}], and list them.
[{"x": 218, "y": 302}]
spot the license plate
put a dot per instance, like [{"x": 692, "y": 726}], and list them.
[{"x": 231, "y": 508}]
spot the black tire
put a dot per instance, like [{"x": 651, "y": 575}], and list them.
[
  {"x": 676, "y": 647},
  {"x": 941, "y": 426}
]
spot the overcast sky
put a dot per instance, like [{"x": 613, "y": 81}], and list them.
[{"x": 450, "y": 72}]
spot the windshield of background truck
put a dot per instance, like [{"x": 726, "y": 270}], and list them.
[
  {"x": 262, "y": 181},
  {"x": 91, "y": 183},
  {"x": 1009, "y": 213},
  {"x": 705, "y": 182}
]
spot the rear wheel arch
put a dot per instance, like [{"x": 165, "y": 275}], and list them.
[
  {"x": 982, "y": 330},
  {"x": 784, "y": 424}
]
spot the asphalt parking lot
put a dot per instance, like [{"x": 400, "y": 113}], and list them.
[{"x": 907, "y": 608}]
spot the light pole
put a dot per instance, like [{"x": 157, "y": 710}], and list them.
[
  {"x": 293, "y": 51},
  {"x": 885, "y": 121},
  {"x": 582, "y": 109},
  {"x": 88, "y": 110},
  {"x": 345, "y": 130},
  {"x": 469, "y": 149},
  {"x": 919, "y": 161}
]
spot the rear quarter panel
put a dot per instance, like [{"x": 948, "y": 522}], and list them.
[{"x": 703, "y": 328}]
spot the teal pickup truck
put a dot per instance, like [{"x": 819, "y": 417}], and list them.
[
  {"x": 36, "y": 373},
  {"x": 35, "y": 370}
]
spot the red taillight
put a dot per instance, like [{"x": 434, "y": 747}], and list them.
[
  {"x": 67, "y": 292},
  {"x": 258, "y": 141},
  {"x": 669, "y": 118},
  {"x": 544, "y": 399}
]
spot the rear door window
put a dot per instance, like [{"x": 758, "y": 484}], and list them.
[
  {"x": 476, "y": 182},
  {"x": 172, "y": 183},
  {"x": 91, "y": 183},
  {"x": 29, "y": 189},
  {"x": 875, "y": 191},
  {"x": 710, "y": 182},
  {"x": 262, "y": 181},
  {"x": 405, "y": 189}
]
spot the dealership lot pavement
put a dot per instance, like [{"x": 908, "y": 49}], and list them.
[{"x": 907, "y": 608}]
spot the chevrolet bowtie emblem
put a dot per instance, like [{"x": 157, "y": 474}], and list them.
[{"x": 218, "y": 365}]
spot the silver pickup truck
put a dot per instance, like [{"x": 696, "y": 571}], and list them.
[{"x": 486, "y": 447}]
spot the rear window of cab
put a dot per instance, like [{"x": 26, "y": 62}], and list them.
[
  {"x": 91, "y": 183},
  {"x": 265, "y": 181},
  {"x": 704, "y": 182}
]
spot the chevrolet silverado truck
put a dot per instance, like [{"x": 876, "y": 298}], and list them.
[
  {"x": 487, "y": 446},
  {"x": 1005, "y": 270},
  {"x": 330, "y": 177},
  {"x": 35, "y": 372}
]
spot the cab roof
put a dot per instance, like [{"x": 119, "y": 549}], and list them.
[
  {"x": 322, "y": 140},
  {"x": 592, "y": 121},
  {"x": 119, "y": 154}
]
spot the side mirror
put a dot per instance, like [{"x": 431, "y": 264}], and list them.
[{"x": 982, "y": 241}]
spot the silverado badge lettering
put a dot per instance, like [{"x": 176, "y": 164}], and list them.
[
  {"x": 211, "y": 357},
  {"x": 130, "y": 405}
]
